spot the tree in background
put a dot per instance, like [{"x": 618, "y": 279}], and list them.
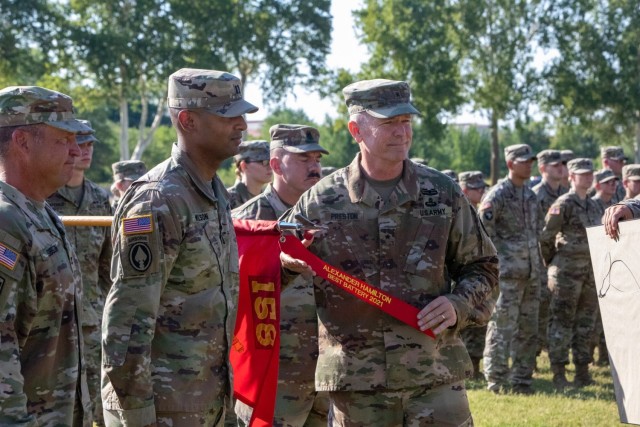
[
  {"x": 497, "y": 41},
  {"x": 594, "y": 80}
]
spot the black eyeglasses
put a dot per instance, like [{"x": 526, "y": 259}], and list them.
[{"x": 262, "y": 162}]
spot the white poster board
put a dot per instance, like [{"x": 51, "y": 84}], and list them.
[{"x": 616, "y": 267}]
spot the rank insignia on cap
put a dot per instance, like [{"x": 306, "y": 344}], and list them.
[
  {"x": 137, "y": 225},
  {"x": 8, "y": 257}
]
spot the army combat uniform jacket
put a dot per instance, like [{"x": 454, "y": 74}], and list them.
[
  {"x": 265, "y": 206},
  {"x": 238, "y": 195},
  {"x": 41, "y": 367},
  {"x": 513, "y": 224},
  {"x": 170, "y": 314},
  {"x": 564, "y": 238},
  {"x": 92, "y": 245},
  {"x": 546, "y": 196},
  {"x": 414, "y": 247}
]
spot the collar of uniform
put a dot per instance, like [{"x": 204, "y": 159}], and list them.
[
  {"x": 361, "y": 191},
  {"x": 275, "y": 201},
  {"x": 181, "y": 158},
  {"x": 512, "y": 189},
  {"x": 65, "y": 194}
]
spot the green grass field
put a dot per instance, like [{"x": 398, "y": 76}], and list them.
[{"x": 591, "y": 406}]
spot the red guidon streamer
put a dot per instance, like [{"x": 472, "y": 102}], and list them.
[
  {"x": 255, "y": 350},
  {"x": 392, "y": 306}
]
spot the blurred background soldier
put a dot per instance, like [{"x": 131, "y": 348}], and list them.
[
  {"x": 252, "y": 172},
  {"x": 80, "y": 196},
  {"x": 565, "y": 250},
  {"x": 510, "y": 214},
  {"x": 295, "y": 160},
  {"x": 551, "y": 167},
  {"x": 605, "y": 186},
  {"x": 631, "y": 181},
  {"x": 451, "y": 174},
  {"x": 566, "y": 155},
  {"x": 41, "y": 353},
  {"x": 124, "y": 173},
  {"x": 613, "y": 158},
  {"x": 170, "y": 313},
  {"x": 473, "y": 186}
]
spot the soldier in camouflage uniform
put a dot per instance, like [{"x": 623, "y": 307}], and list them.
[
  {"x": 41, "y": 357},
  {"x": 565, "y": 250},
  {"x": 124, "y": 173},
  {"x": 473, "y": 186},
  {"x": 510, "y": 214},
  {"x": 623, "y": 211},
  {"x": 252, "y": 172},
  {"x": 92, "y": 245},
  {"x": 295, "y": 161},
  {"x": 408, "y": 230},
  {"x": 605, "y": 186},
  {"x": 451, "y": 174},
  {"x": 551, "y": 168},
  {"x": 631, "y": 180},
  {"x": 170, "y": 314},
  {"x": 613, "y": 158}
]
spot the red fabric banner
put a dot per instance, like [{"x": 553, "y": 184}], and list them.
[
  {"x": 255, "y": 350},
  {"x": 392, "y": 306}
]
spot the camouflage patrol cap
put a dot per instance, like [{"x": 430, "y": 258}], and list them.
[
  {"x": 580, "y": 165},
  {"x": 451, "y": 174},
  {"x": 84, "y": 137},
  {"x": 612, "y": 152},
  {"x": 256, "y": 151},
  {"x": 519, "y": 153},
  {"x": 631, "y": 172},
  {"x": 217, "y": 92},
  {"x": 420, "y": 161},
  {"x": 604, "y": 175},
  {"x": 296, "y": 138},
  {"x": 549, "y": 157},
  {"x": 471, "y": 179},
  {"x": 380, "y": 98},
  {"x": 567, "y": 155},
  {"x": 128, "y": 169},
  {"x": 30, "y": 105}
]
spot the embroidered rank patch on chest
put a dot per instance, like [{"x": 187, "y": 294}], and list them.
[
  {"x": 8, "y": 257},
  {"x": 137, "y": 225}
]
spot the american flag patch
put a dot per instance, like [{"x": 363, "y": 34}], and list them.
[
  {"x": 554, "y": 210},
  {"x": 137, "y": 225},
  {"x": 8, "y": 257}
]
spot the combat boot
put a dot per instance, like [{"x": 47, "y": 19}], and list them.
[
  {"x": 560, "y": 381},
  {"x": 583, "y": 378}
]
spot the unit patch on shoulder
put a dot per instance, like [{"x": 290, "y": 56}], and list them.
[
  {"x": 137, "y": 225},
  {"x": 8, "y": 257},
  {"x": 140, "y": 256}
]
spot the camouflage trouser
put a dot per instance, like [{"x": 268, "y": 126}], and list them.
[
  {"x": 598, "y": 339},
  {"x": 512, "y": 331},
  {"x": 446, "y": 405},
  {"x": 573, "y": 310},
  {"x": 543, "y": 311},
  {"x": 93, "y": 362},
  {"x": 474, "y": 338},
  {"x": 310, "y": 410},
  {"x": 212, "y": 418}
]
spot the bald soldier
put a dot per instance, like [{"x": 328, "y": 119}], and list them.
[
  {"x": 170, "y": 314},
  {"x": 295, "y": 160},
  {"x": 41, "y": 356},
  {"x": 81, "y": 196},
  {"x": 408, "y": 230}
]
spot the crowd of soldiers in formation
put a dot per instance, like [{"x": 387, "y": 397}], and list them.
[{"x": 545, "y": 298}]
